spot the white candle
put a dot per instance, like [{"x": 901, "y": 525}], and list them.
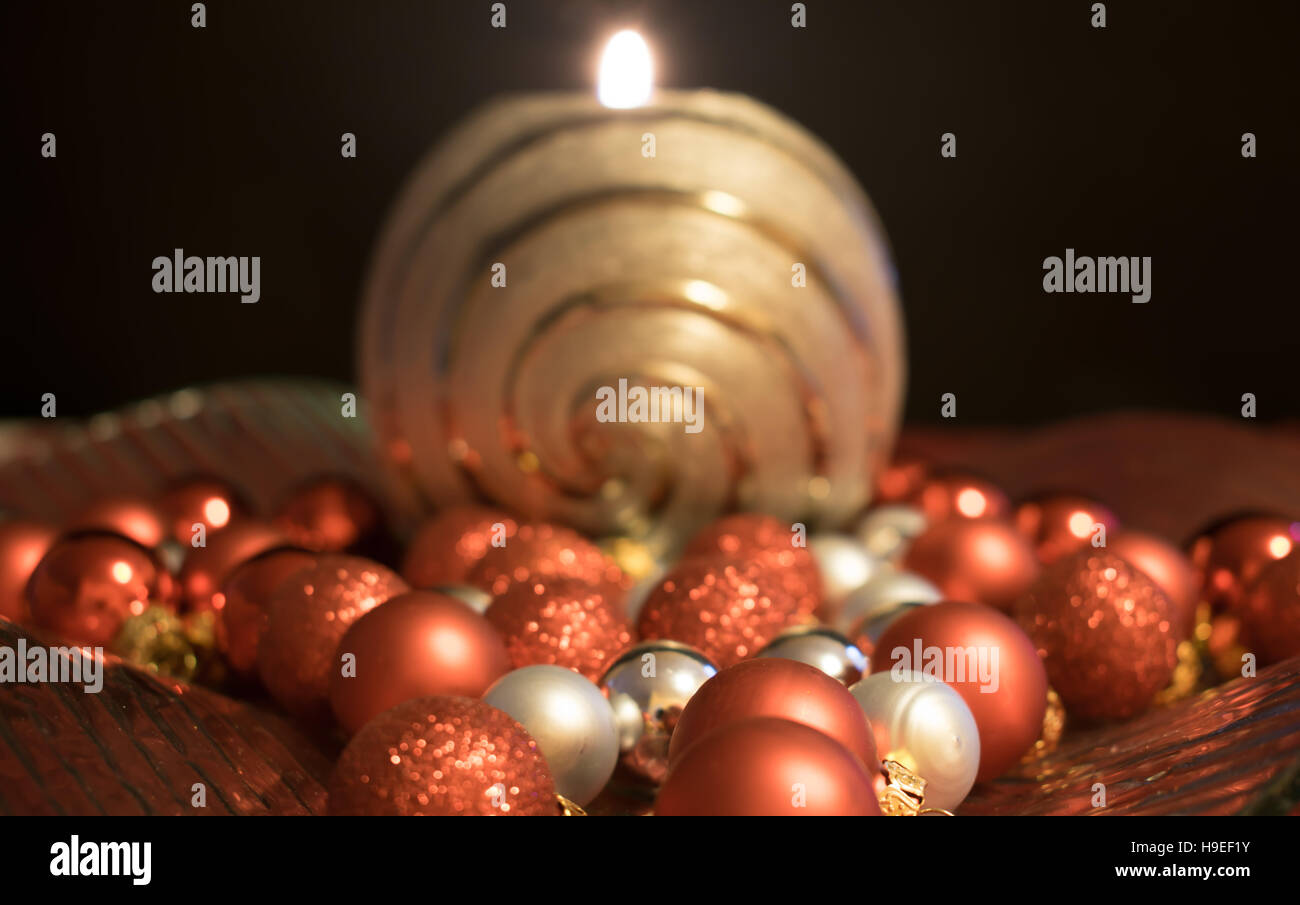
[{"x": 552, "y": 245}]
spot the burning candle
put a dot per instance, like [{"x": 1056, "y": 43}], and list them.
[{"x": 555, "y": 244}]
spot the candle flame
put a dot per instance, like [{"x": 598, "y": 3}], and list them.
[{"x": 626, "y": 71}]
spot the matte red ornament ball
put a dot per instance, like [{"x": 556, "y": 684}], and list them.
[
  {"x": 334, "y": 515},
  {"x": 980, "y": 560},
  {"x": 1270, "y": 611},
  {"x": 245, "y": 599},
  {"x": 766, "y": 766},
  {"x": 418, "y": 644},
  {"x": 563, "y": 622},
  {"x": 726, "y": 609},
  {"x": 205, "y": 569},
  {"x": 950, "y": 495},
  {"x": 775, "y": 687},
  {"x": 90, "y": 583},
  {"x": 310, "y": 612},
  {"x": 1106, "y": 633},
  {"x": 1060, "y": 524},
  {"x": 22, "y": 544},
  {"x": 442, "y": 756},
  {"x": 451, "y": 543},
  {"x": 1008, "y": 701},
  {"x": 134, "y": 517},
  {"x": 205, "y": 501}
]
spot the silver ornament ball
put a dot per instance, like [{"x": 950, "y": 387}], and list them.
[
  {"x": 887, "y": 531},
  {"x": 844, "y": 563},
  {"x": 570, "y": 720},
  {"x": 823, "y": 648},
  {"x": 647, "y": 687},
  {"x": 883, "y": 593},
  {"x": 477, "y": 599}
]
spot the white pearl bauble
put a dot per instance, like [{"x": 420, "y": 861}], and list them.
[{"x": 926, "y": 726}]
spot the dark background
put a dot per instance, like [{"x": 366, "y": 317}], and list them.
[{"x": 225, "y": 141}]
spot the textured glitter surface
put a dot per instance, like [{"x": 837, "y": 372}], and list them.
[
  {"x": 1105, "y": 632},
  {"x": 563, "y": 622},
  {"x": 768, "y": 541},
  {"x": 309, "y": 614},
  {"x": 541, "y": 551},
  {"x": 442, "y": 756},
  {"x": 451, "y": 543},
  {"x": 726, "y": 609}
]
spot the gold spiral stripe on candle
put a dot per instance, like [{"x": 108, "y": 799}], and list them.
[{"x": 668, "y": 271}]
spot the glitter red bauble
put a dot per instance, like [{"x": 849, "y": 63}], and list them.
[
  {"x": 22, "y": 544},
  {"x": 1060, "y": 524},
  {"x": 1009, "y": 708},
  {"x": 766, "y": 540},
  {"x": 442, "y": 756},
  {"x": 417, "y": 645},
  {"x": 542, "y": 551},
  {"x": 1167, "y": 566},
  {"x": 775, "y": 687},
  {"x": 90, "y": 583},
  {"x": 205, "y": 501},
  {"x": 1230, "y": 557},
  {"x": 334, "y": 515},
  {"x": 138, "y": 519},
  {"x": 309, "y": 613},
  {"x": 954, "y": 495},
  {"x": 767, "y": 766},
  {"x": 1105, "y": 632},
  {"x": 1270, "y": 611},
  {"x": 977, "y": 560},
  {"x": 726, "y": 609},
  {"x": 205, "y": 569},
  {"x": 244, "y": 600},
  {"x": 562, "y": 622},
  {"x": 452, "y": 542}
]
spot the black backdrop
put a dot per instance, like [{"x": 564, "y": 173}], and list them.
[{"x": 225, "y": 140}]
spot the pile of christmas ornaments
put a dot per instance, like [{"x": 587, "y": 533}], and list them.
[{"x": 498, "y": 666}]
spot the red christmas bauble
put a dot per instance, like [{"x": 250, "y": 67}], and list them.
[
  {"x": 1230, "y": 557},
  {"x": 205, "y": 501},
  {"x": 451, "y": 543},
  {"x": 1060, "y": 524},
  {"x": 726, "y": 609},
  {"x": 309, "y": 613},
  {"x": 333, "y": 515},
  {"x": 766, "y": 766},
  {"x": 775, "y": 687},
  {"x": 1167, "y": 566},
  {"x": 980, "y": 560},
  {"x": 987, "y": 659},
  {"x": 418, "y": 644},
  {"x": 955, "y": 495},
  {"x": 205, "y": 569},
  {"x": 539, "y": 552},
  {"x": 768, "y": 541},
  {"x": 22, "y": 544},
  {"x": 1106, "y": 634},
  {"x": 563, "y": 622},
  {"x": 90, "y": 583},
  {"x": 132, "y": 517},
  {"x": 442, "y": 756},
  {"x": 245, "y": 599},
  {"x": 900, "y": 480},
  {"x": 1270, "y": 611}
]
